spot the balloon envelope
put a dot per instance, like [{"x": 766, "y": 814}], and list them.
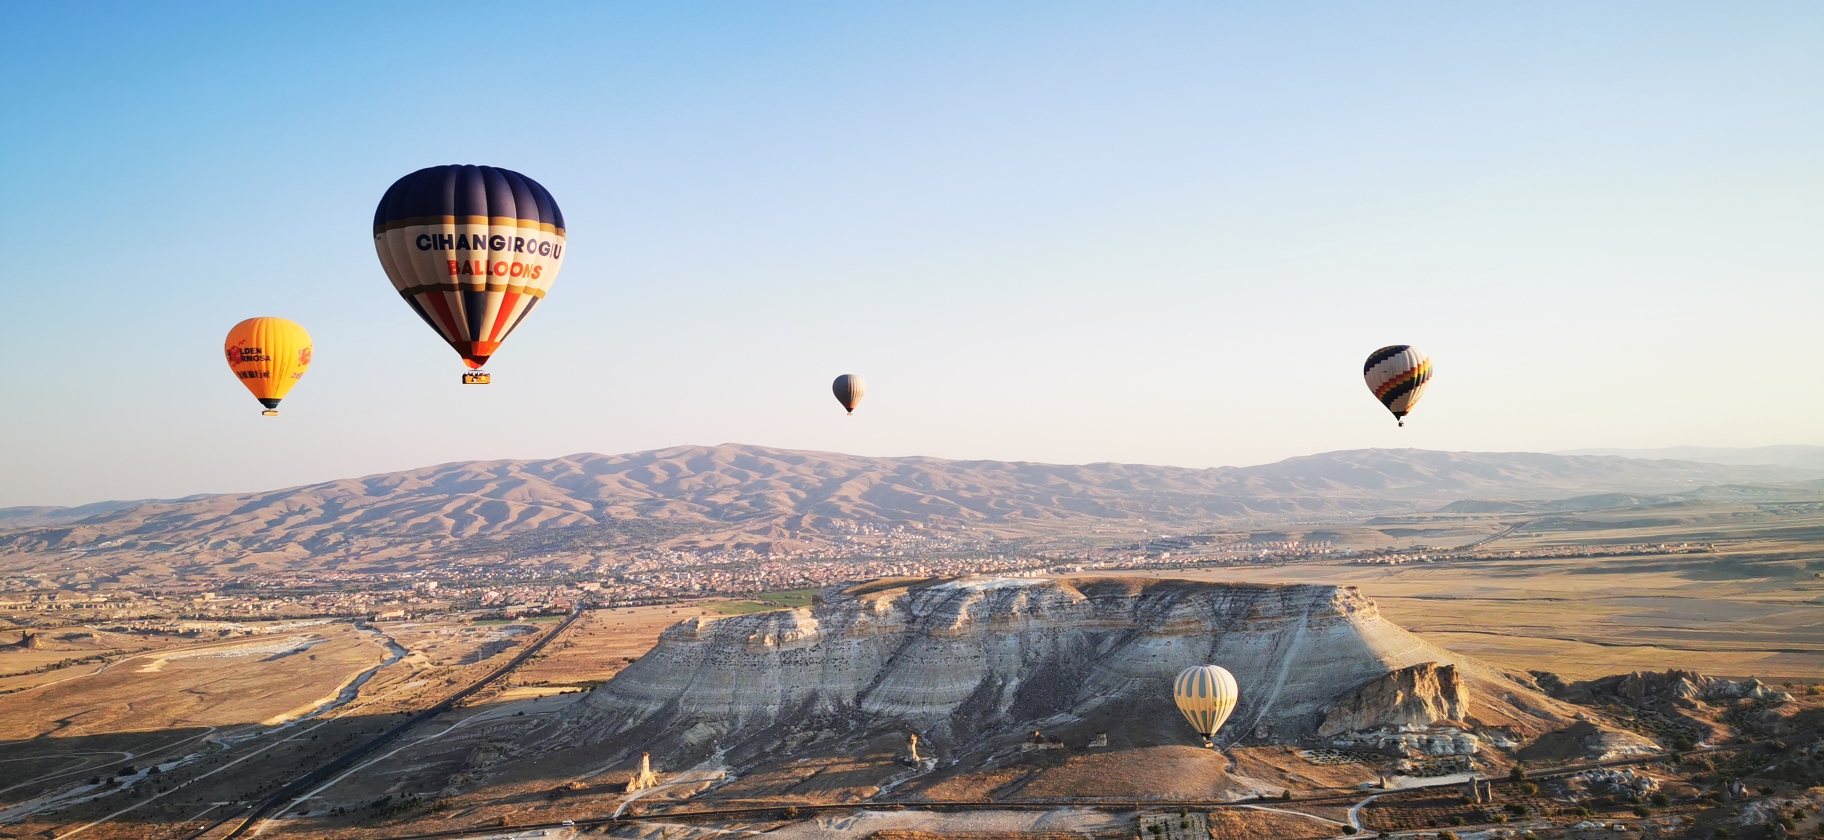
[
  {"x": 472, "y": 249},
  {"x": 1398, "y": 374},
  {"x": 849, "y": 388},
  {"x": 1206, "y": 694},
  {"x": 268, "y": 355}
]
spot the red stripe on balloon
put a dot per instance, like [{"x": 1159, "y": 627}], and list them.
[{"x": 507, "y": 304}]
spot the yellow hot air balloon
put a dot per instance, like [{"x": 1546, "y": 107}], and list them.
[
  {"x": 269, "y": 355},
  {"x": 1206, "y": 695}
]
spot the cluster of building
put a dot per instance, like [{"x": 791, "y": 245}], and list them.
[
  {"x": 1394, "y": 558},
  {"x": 556, "y": 580}
]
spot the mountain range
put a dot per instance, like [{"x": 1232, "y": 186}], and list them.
[
  {"x": 1803, "y": 457},
  {"x": 647, "y": 497}
]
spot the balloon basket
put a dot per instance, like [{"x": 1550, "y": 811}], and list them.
[
  {"x": 476, "y": 378},
  {"x": 269, "y": 413}
]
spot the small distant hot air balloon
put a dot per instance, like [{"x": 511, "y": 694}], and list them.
[
  {"x": 269, "y": 355},
  {"x": 1206, "y": 694},
  {"x": 472, "y": 249},
  {"x": 1398, "y": 374},
  {"x": 849, "y": 388}
]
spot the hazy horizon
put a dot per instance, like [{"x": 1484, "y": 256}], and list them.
[
  {"x": 1060, "y": 233},
  {"x": 1801, "y": 463}
]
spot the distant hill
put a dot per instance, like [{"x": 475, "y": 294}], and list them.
[
  {"x": 1803, "y": 457},
  {"x": 41, "y": 516},
  {"x": 647, "y": 497}
]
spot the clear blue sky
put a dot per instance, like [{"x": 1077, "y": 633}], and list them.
[{"x": 1147, "y": 232}]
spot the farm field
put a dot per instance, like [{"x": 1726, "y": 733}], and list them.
[{"x": 1750, "y": 605}]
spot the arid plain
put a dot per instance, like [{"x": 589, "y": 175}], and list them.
[{"x": 197, "y": 704}]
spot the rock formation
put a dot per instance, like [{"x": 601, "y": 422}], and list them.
[
  {"x": 978, "y": 662},
  {"x": 1676, "y": 687},
  {"x": 643, "y": 778},
  {"x": 1417, "y": 695}
]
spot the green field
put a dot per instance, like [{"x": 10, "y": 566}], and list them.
[
  {"x": 763, "y": 602},
  {"x": 531, "y": 619}
]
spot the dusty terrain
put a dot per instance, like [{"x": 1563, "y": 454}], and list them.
[{"x": 150, "y": 741}]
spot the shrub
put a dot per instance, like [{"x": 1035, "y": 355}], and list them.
[
  {"x": 1518, "y": 774},
  {"x": 1660, "y": 800},
  {"x": 1642, "y": 811}
]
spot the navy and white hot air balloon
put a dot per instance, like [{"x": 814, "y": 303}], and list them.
[
  {"x": 472, "y": 249},
  {"x": 848, "y": 389},
  {"x": 1398, "y": 374}
]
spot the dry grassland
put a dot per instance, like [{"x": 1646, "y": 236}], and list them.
[
  {"x": 601, "y": 643},
  {"x": 1753, "y": 607},
  {"x": 225, "y": 683},
  {"x": 1172, "y": 772},
  {"x": 1242, "y": 824}
]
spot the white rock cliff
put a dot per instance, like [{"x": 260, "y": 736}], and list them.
[{"x": 965, "y": 662}]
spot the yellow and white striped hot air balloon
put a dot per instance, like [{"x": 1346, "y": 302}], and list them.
[
  {"x": 1398, "y": 374},
  {"x": 1206, "y": 694}
]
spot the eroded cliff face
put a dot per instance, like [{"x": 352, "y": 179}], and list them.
[
  {"x": 965, "y": 662},
  {"x": 1417, "y": 695}
]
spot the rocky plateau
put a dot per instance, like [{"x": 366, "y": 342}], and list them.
[{"x": 976, "y": 666}]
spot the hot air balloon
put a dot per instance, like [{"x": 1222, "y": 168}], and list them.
[
  {"x": 849, "y": 388},
  {"x": 1206, "y": 694},
  {"x": 1398, "y": 374},
  {"x": 472, "y": 249},
  {"x": 269, "y": 355}
]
